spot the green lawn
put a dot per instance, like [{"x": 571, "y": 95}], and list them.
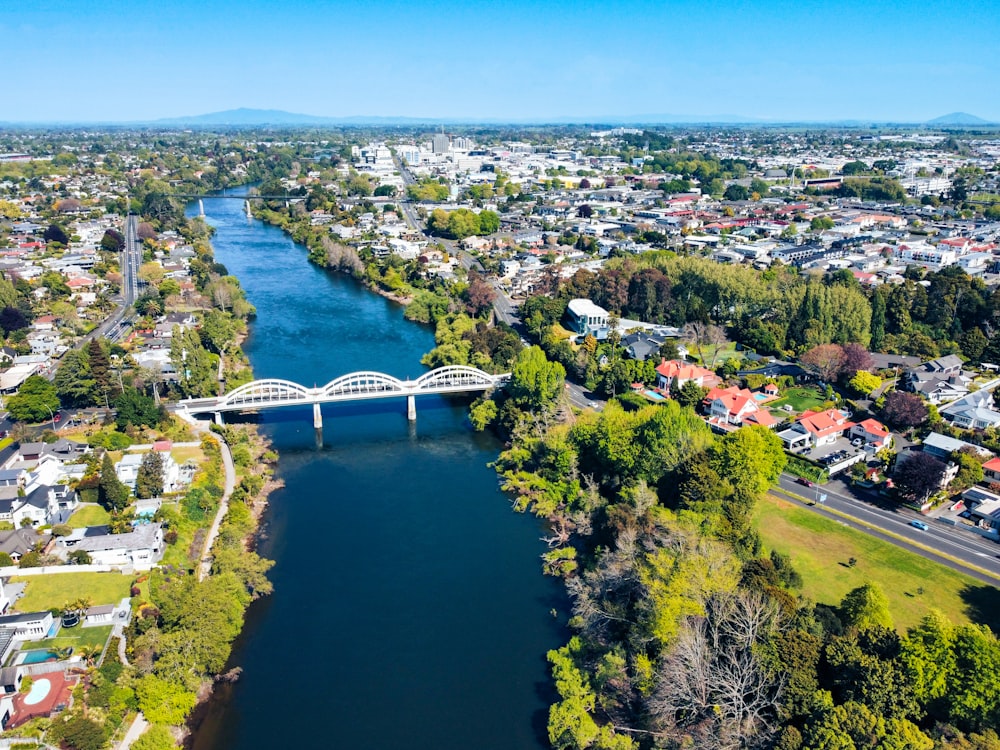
[
  {"x": 78, "y": 637},
  {"x": 820, "y": 549},
  {"x": 89, "y": 515},
  {"x": 55, "y": 590},
  {"x": 801, "y": 398}
]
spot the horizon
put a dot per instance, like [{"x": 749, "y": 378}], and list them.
[{"x": 537, "y": 62}]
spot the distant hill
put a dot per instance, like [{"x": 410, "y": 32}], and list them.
[
  {"x": 958, "y": 118},
  {"x": 244, "y": 116}
]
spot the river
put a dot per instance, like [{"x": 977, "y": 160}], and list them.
[{"x": 409, "y": 609}]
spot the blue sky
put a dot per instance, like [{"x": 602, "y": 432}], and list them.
[{"x": 93, "y": 60}]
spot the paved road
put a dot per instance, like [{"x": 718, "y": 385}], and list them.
[
  {"x": 965, "y": 547},
  {"x": 118, "y": 324}
]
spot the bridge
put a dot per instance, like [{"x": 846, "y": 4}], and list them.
[{"x": 274, "y": 393}]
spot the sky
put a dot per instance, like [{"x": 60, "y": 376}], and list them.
[{"x": 810, "y": 60}]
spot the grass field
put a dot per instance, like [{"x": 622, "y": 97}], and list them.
[
  {"x": 78, "y": 637},
  {"x": 181, "y": 455},
  {"x": 56, "y": 590},
  {"x": 800, "y": 399},
  {"x": 820, "y": 549},
  {"x": 89, "y": 515}
]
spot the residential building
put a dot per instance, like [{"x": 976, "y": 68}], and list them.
[
  {"x": 586, "y": 318},
  {"x": 674, "y": 374},
  {"x": 140, "y": 549},
  {"x": 814, "y": 429}
]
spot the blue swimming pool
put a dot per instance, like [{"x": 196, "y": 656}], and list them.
[
  {"x": 760, "y": 396},
  {"x": 38, "y": 656},
  {"x": 655, "y": 396}
]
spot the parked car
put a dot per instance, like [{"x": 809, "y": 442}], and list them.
[{"x": 919, "y": 525}]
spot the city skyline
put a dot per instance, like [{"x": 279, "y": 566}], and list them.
[{"x": 524, "y": 61}]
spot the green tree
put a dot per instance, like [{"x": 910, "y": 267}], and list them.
[
  {"x": 866, "y": 606},
  {"x": 878, "y": 321},
  {"x": 157, "y": 737},
  {"x": 863, "y": 383},
  {"x": 691, "y": 394},
  {"x": 970, "y": 469},
  {"x": 750, "y": 459},
  {"x": 100, "y": 369},
  {"x": 73, "y": 381},
  {"x": 149, "y": 478},
  {"x": 135, "y": 408},
  {"x": 736, "y": 192},
  {"x": 35, "y": 401},
  {"x": 79, "y": 733},
  {"x": 112, "y": 494},
  {"x": 164, "y": 702},
  {"x": 821, "y": 223},
  {"x": 535, "y": 383}
]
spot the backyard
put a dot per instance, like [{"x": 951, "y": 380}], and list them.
[
  {"x": 77, "y": 638},
  {"x": 822, "y": 549},
  {"x": 55, "y": 590},
  {"x": 89, "y": 515},
  {"x": 800, "y": 398}
]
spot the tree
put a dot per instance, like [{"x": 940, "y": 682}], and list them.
[
  {"x": 878, "y": 320},
  {"x": 100, "y": 368},
  {"x": 112, "y": 494},
  {"x": 691, "y": 394},
  {"x": 79, "y": 733},
  {"x": 919, "y": 476},
  {"x": 164, "y": 702},
  {"x": 12, "y": 319},
  {"x": 970, "y": 469},
  {"x": 136, "y": 409},
  {"x": 80, "y": 557},
  {"x": 479, "y": 295},
  {"x": 856, "y": 358},
  {"x": 157, "y": 737},
  {"x": 855, "y": 167},
  {"x": 535, "y": 383},
  {"x": 55, "y": 233},
  {"x": 821, "y": 223},
  {"x": 36, "y": 400},
  {"x": 904, "y": 410},
  {"x": 707, "y": 339},
  {"x": 736, "y": 192},
  {"x": 750, "y": 459},
  {"x": 825, "y": 360},
  {"x": 149, "y": 478},
  {"x": 865, "y": 607},
  {"x": 863, "y": 383},
  {"x": 73, "y": 380}
]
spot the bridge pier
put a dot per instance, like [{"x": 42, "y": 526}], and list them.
[
  {"x": 411, "y": 408},
  {"x": 218, "y": 418},
  {"x": 317, "y": 417}
]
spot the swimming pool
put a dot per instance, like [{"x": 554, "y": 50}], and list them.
[
  {"x": 760, "y": 396},
  {"x": 655, "y": 396},
  {"x": 38, "y": 656},
  {"x": 39, "y": 691}
]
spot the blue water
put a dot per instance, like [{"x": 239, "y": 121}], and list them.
[
  {"x": 655, "y": 396},
  {"x": 409, "y": 608},
  {"x": 38, "y": 656}
]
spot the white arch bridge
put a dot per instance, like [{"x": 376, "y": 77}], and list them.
[{"x": 273, "y": 393}]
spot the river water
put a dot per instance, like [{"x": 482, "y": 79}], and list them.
[{"x": 409, "y": 609}]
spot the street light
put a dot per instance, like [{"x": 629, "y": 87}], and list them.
[{"x": 53, "y": 416}]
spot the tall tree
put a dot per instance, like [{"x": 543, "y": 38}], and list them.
[
  {"x": 112, "y": 494},
  {"x": 149, "y": 479},
  {"x": 100, "y": 369},
  {"x": 36, "y": 400}
]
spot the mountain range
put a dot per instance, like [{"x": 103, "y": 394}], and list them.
[{"x": 258, "y": 117}]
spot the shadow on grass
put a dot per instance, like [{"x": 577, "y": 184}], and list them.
[{"x": 982, "y": 605}]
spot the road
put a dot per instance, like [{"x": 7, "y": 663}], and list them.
[
  {"x": 958, "y": 549},
  {"x": 118, "y": 324}
]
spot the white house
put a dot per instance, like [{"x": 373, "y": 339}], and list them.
[
  {"x": 140, "y": 548},
  {"x": 28, "y": 626}
]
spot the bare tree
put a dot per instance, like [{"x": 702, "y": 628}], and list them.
[
  {"x": 707, "y": 339},
  {"x": 712, "y": 687}
]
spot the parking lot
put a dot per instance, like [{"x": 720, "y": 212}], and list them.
[{"x": 837, "y": 456}]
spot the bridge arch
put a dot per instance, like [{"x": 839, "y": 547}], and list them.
[
  {"x": 454, "y": 376},
  {"x": 364, "y": 383},
  {"x": 269, "y": 390}
]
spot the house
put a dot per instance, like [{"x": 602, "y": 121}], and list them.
[
  {"x": 128, "y": 468},
  {"x": 28, "y": 626},
  {"x": 642, "y": 346},
  {"x": 674, "y": 374},
  {"x": 733, "y": 407},
  {"x": 941, "y": 446},
  {"x": 814, "y": 429},
  {"x": 102, "y": 614},
  {"x": 939, "y": 381},
  {"x": 991, "y": 470},
  {"x": 139, "y": 549},
  {"x": 586, "y": 318},
  {"x": 18, "y": 542},
  {"x": 37, "y": 508},
  {"x": 874, "y": 434},
  {"x": 983, "y": 506},
  {"x": 973, "y": 411}
]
